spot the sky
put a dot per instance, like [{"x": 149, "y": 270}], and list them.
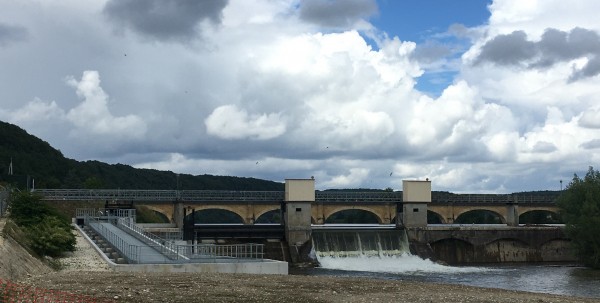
[{"x": 477, "y": 96}]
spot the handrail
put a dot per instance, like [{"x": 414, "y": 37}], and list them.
[
  {"x": 173, "y": 253},
  {"x": 130, "y": 252},
  {"x": 4, "y": 196},
  {"x": 163, "y": 246},
  {"x": 208, "y": 196}
]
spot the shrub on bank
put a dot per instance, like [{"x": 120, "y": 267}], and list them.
[{"x": 47, "y": 232}]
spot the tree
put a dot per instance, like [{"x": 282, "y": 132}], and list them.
[{"x": 580, "y": 209}]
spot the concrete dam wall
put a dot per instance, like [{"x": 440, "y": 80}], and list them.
[{"x": 471, "y": 245}]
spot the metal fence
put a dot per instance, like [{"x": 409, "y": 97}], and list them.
[
  {"x": 105, "y": 212},
  {"x": 130, "y": 252},
  {"x": 166, "y": 248},
  {"x": 159, "y": 251},
  {"x": 4, "y": 196},
  {"x": 213, "y": 252},
  {"x": 225, "y": 196}
]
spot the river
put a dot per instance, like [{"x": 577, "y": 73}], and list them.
[{"x": 559, "y": 279}]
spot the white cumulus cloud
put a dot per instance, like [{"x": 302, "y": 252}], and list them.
[{"x": 230, "y": 122}]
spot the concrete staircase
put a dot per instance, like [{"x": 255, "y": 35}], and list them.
[{"x": 105, "y": 246}]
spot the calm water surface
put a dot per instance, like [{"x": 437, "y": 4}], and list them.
[{"x": 561, "y": 280}]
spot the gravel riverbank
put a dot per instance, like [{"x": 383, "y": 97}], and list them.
[{"x": 85, "y": 273}]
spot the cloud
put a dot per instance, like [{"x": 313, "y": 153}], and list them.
[
  {"x": 164, "y": 20},
  {"x": 511, "y": 49},
  {"x": 543, "y": 147},
  {"x": 229, "y": 122},
  {"x": 590, "y": 118},
  {"x": 93, "y": 115},
  {"x": 431, "y": 51},
  {"x": 337, "y": 14},
  {"x": 37, "y": 110},
  {"x": 293, "y": 89},
  {"x": 554, "y": 47},
  {"x": 592, "y": 144},
  {"x": 12, "y": 33},
  {"x": 353, "y": 178}
]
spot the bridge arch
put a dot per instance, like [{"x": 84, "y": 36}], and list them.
[
  {"x": 354, "y": 215},
  {"x": 434, "y": 218},
  {"x": 540, "y": 216},
  {"x": 145, "y": 214},
  {"x": 384, "y": 212},
  {"x": 216, "y": 215},
  {"x": 166, "y": 211},
  {"x": 269, "y": 216},
  {"x": 480, "y": 216}
]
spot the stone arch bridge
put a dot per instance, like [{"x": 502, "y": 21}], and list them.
[{"x": 250, "y": 205}]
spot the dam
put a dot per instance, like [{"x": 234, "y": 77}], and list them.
[{"x": 305, "y": 212}]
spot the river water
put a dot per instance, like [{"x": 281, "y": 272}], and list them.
[{"x": 561, "y": 280}]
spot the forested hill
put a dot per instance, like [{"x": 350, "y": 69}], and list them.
[{"x": 34, "y": 159}]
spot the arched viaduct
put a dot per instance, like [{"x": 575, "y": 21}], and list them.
[
  {"x": 251, "y": 205},
  {"x": 301, "y": 205}
]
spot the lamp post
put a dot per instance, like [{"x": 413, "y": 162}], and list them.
[{"x": 560, "y": 185}]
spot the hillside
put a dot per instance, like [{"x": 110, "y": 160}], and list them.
[{"x": 33, "y": 158}]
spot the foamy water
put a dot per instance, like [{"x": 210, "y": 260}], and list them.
[{"x": 404, "y": 263}]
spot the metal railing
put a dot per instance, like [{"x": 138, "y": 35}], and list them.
[
  {"x": 4, "y": 196},
  {"x": 340, "y": 196},
  {"x": 169, "y": 251},
  {"x": 208, "y": 196},
  {"x": 105, "y": 212},
  {"x": 235, "y": 251},
  {"x": 130, "y": 252},
  {"x": 168, "y": 235},
  {"x": 166, "y": 248}
]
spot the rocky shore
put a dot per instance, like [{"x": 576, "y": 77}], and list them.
[{"x": 185, "y": 287}]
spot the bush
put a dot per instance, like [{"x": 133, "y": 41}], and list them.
[{"x": 47, "y": 232}]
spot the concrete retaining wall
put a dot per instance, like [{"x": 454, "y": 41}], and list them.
[{"x": 264, "y": 267}]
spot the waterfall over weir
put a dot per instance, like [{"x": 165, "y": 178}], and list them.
[
  {"x": 343, "y": 243},
  {"x": 373, "y": 249}
]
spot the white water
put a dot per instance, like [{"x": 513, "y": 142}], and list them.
[
  {"x": 404, "y": 263},
  {"x": 381, "y": 251}
]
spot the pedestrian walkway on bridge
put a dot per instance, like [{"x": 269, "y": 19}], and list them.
[{"x": 142, "y": 251}]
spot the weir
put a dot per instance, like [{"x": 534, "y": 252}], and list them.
[{"x": 338, "y": 242}]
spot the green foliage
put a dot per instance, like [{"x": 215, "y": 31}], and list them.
[
  {"x": 580, "y": 209},
  {"x": 46, "y": 231},
  {"x": 51, "y": 237}
]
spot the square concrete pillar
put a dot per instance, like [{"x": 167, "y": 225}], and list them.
[
  {"x": 512, "y": 214},
  {"x": 299, "y": 197},
  {"x": 415, "y": 197}
]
